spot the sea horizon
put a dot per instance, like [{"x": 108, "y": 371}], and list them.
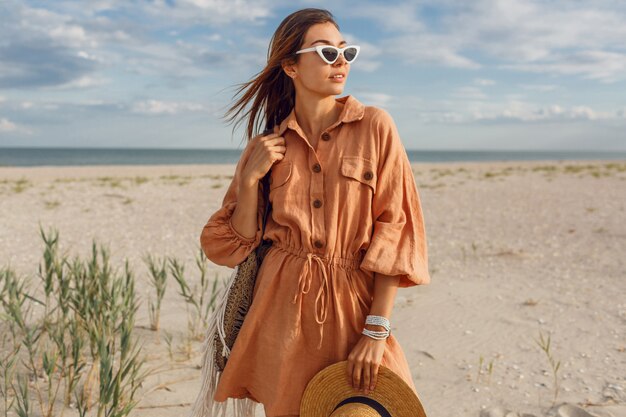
[{"x": 59, "y": 156}]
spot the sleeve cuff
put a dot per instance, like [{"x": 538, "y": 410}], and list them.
[
  {"x": 243, "y": 239},
  {"x": 222, "y": 244},
  {"x": 390, "y": 256}
]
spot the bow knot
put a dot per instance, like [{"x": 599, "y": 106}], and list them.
[{"x": 304, "y": 285}]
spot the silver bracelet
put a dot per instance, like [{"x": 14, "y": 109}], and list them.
[
  {"x": 376, "y": 335},
  {"x": 378, "y": 320}
]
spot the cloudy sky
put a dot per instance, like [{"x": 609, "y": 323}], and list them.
[{"x": 454, "y": 74}]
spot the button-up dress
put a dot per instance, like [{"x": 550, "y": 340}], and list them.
[{"x": 340, "y": 213}]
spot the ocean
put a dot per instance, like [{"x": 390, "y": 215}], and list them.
[{"x": 127, "y": 156}]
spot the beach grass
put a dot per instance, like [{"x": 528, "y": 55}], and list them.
[{"x": 71, "y": 341}]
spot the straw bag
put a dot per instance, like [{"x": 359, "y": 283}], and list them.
[
  {"x": 240, "y": 294},
  {"x": 225, "y": 323}
]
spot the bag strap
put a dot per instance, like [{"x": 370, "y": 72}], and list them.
[
  {"x": 268, "y": 206},
  {"x": 266, "y": 194}
]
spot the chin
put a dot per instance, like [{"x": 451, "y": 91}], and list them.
[{"x": 331, "y": 92}]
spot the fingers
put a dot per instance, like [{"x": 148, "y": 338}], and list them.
[
  {"x": 262, "y": 136},
  {"x": 274, "y": 144},
  {"x": 366, "y": 377},
  {"x": 356, "y": 376},
  {"x": 277, "y": 157},
  {"x": 354, "y": 371},
  {"x": 356, "y": 368},
  {"x": 272, "y": 139},
  {"x": 374, "y": 376},
  {"x": 277, "y": 148},
  {"x": 349, "y": 369}
]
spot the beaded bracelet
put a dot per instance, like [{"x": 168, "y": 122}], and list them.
[
  {"x": 375, "y": 335},
  {"x": 377, "y": 320}
]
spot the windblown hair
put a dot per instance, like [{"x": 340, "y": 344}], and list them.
[{"x": 272, "y": 92}]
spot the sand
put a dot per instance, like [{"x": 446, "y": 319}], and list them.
[{"x": 516, "y": 249}]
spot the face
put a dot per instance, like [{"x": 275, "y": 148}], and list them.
[{"x": 311, "y": 72}]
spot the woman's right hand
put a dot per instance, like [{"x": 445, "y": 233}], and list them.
[{"x": 265, "y": 151}]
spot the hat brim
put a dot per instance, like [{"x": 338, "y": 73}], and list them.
[{"x": 330, "y": 386}]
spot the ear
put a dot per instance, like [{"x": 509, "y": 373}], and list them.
[{"x": 289, "y": 68}]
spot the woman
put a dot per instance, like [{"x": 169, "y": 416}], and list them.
[{"x": 346, "y": 225}]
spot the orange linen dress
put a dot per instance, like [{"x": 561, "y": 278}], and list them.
[{"x": 340, "y": 213}]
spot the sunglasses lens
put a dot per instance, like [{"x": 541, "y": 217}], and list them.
[
  {"x": 330, "y": 54},
  {"x": 350, "y": 54}
]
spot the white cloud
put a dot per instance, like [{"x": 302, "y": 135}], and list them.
[
  {"x": 55, "y": 26},
  {"x": 470, "y": 92},
  {"x": 558, "y": 37},
  {"x": 83, "y": 82},
  {"x": 607, "y": 67},
  {"x": 208, "y": 12},
  {"x": 539, "y": 87},
  {"x": 167, "y": 107},
  {"x": 375, "y": 99},
  {"x": 483, "y": 81},
  {"x": 428, "y": 49},
  {"x": 215, "y": 37},
  {"x": 367, "y": 61},
  {"x": 7, "y": 126},
  {"x": 72, "y": 35},
  {"x": 515, "y": 111},
  {"x": 401, "y": 17}
]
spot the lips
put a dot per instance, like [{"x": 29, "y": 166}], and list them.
[{"x": 339, "y": 73}]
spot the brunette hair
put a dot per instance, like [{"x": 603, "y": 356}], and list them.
[{"x": 272, "y": 92}]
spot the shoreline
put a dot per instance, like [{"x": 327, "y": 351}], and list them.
[{"x": 94, "y": 171}]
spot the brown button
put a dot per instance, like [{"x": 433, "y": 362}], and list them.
[
  {"x": 318, "y": 244},
  {"x": 317, "y": 168},
  {"x": 317, "y": 203},
  {"x": 368, "y": 175},
  {"x": 325, "y": 136}
]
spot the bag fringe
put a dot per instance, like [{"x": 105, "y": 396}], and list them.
[{"x": 204, "y": 405}]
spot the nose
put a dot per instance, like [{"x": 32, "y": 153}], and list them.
[{"x": 340, "y": 60}]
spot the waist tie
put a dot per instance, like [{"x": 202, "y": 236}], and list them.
[{"x": 304, "y": 285}]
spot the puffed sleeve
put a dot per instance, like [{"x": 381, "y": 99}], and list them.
[
  {"x": 221, "y": 243},
  {"x": 398, "y": 242}
]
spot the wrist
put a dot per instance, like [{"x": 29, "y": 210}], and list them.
[
  {"x": 376, "y": 335},
  {"x": 376, "y": 320},
  {"x": 248, "y": 183},
  {"x": 375, "y": 327}
]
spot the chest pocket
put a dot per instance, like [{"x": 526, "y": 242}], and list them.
[{"x": 360, "y": 169}]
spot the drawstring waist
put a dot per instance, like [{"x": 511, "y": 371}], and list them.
[
  {"x": 304, "y": 279},
  {"x": 348, "y": 263}
]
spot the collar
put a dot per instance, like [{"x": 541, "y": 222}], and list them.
[{"x": 352, "y": 110}]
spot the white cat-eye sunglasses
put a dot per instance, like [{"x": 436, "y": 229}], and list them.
[{"x": 330, "y": 53}]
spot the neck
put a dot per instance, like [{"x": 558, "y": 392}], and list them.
[{"x": 316, "y": 114}]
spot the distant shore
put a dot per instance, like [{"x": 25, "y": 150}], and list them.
[
  {"x": 13, "y": 157},
  {"x": 50, "y": 172}
]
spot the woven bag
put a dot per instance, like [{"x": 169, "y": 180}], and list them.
[{"x": 240, "y": 293}]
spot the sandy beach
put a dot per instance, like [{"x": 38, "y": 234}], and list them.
[{"x": 516, "y": 249}]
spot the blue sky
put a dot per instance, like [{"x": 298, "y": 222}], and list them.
[{"x": 454, "y": 74}]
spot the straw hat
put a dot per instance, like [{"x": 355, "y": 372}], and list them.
[{"x": 329, "y": 394}]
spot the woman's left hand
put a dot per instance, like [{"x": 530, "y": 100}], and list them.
[{"x": 364, "y": 360}]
